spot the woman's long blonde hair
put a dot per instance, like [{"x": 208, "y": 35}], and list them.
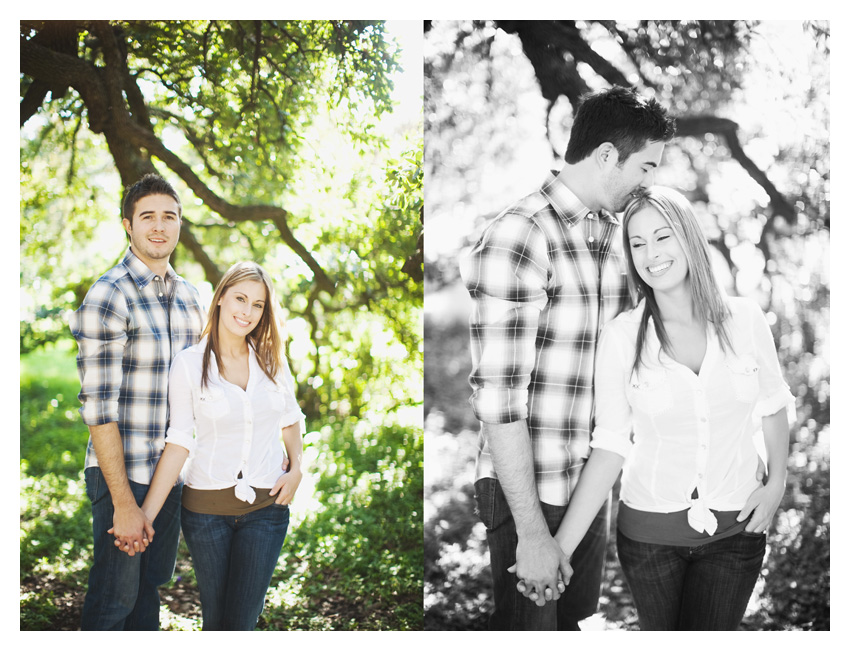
[
  {"x": 264, "y": 339},
  {"x": 708, "y": 298}
]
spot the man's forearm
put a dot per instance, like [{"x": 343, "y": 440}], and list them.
[
  {"x": 110, "y": 458},
  {"x": 539, "y": 559},
  {"x": 510, "y": 450}
]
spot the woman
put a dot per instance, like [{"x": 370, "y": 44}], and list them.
[
  {"x": 685, "y": 371},
  {"x": 230, "y": 397}
]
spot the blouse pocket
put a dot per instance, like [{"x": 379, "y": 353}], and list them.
[
  {"x": 744, "y": 372},
  {"x": 273, "y": 399},
  {"x": 213, "y": 402},
  {"x": 651, "y": 392}
]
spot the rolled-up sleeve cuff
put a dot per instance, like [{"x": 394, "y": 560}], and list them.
[
  {"x": 779, "y": 399},
  {"x": 99, "y": 412},
  {"x": 500, "y": 406},
  {"x": 181, "y": 438},
  {"x": 292, "y": 417},
  {"x": 606, "y": 439}
]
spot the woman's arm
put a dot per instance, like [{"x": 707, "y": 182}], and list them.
[
  {"x": 597, "y": 477},
  {"x": 167, "y": 471},
  {"x": 764, "y": 501},
  {"x": 287, "y": 484}
]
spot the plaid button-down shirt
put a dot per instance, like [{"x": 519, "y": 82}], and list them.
[
  {"x": 541, "y": 294},
  {"x": 128, "y": 329}
]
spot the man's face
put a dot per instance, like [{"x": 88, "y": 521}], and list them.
[
  {"x": 155, "y": 227},
  {"x": 635, "y": 173}
]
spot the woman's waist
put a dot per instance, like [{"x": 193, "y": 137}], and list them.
[
  {"x": 219, "y": 479},
  {"x": 669, "y": 497}
]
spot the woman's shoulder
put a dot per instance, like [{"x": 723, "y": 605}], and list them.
[
  {"x": 191, "y": 356},
  {"x": 743, "y": 309},
  {"x": 623, "y": 328},
  {"x": 627, "y": 320}
]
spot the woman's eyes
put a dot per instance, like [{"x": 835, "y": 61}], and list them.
[
  {"x": 241, "y": 299},
  {"x": 660, "y": 238}
]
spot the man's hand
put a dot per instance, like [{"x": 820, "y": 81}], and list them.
[
  {"x": 542, "y": 567},
  {"x": 132, "y": 529},
  {"x": 285, "y": 486}
]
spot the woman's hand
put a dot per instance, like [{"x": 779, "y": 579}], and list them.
[
  {"x": 286, "y": 485},
  {"x": 128, "y": 544},
  {"x": 762, "y": 504}
]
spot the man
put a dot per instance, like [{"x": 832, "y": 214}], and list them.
[
  {"x": 133, "y": 321},
  {"x": 546, "y": 275}
]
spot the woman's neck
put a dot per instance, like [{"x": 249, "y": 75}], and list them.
[
  {"x": 676, "y": 307},
  {"x": 231, "y": 346}
]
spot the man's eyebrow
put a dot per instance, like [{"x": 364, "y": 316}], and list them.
[{"x": 149, "y": 212}]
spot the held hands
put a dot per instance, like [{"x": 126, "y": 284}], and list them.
[
  {"x": 548, "y": 595},
  {"x": 133, "y": 530},
  {"x": 542, "y": 568}
]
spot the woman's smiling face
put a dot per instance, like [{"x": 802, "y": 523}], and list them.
[
  {"x": 657, "y": 254},
  {"x": 242, "y": 307}
]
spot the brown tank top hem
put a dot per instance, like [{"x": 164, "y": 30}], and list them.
[{"x": 224, "y": 501}]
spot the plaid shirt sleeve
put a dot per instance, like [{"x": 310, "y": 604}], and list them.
[
  {"x": 100, "y": 328},
  {"x": 506, "y": 275}
]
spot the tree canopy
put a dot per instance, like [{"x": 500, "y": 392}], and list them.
[{"x": 698, "y": 69}]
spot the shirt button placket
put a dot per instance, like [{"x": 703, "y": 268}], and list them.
[
  {"x": 249, "y": 432},
  {"x": 703, "y": 433}
]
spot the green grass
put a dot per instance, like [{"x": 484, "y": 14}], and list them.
[{"x": 352, "y": 563}]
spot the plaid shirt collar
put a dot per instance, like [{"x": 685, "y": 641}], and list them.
[
  {"x": 567, "y": 205},
  {"x": 140, "y": 272}
]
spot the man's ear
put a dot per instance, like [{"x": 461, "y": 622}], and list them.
[
  {"x": 127, "y": 227},
  {"x": 607, "y": 155}
]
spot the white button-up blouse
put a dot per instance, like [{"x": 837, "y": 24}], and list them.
[
  {"x": 693, "y": 434},
  {"x": 226, "y": 429}
]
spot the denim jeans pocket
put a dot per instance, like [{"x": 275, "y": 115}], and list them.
[
  {"x": 485, "y": 500},
  {"x": 96, "y": 488},
  {"x": 753, "y": 534}
]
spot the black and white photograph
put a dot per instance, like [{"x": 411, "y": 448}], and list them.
[{"x": 627, "y": 380}]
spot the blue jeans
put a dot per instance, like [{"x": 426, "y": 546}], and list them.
[
  {"x": 234, "y": 557},
  {"x": 701, "y": 588},
  {"x": 513, "y": 611},
  {"x": 123, "y": 592}
]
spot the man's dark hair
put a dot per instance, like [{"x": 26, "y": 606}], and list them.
[
  {"x": 149, "y": 184},
  {"x": 620, "y": 116}
]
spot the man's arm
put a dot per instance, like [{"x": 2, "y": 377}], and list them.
[
  {"x": 539, "y": 557},
  {"x": 129, "y": 523}
]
